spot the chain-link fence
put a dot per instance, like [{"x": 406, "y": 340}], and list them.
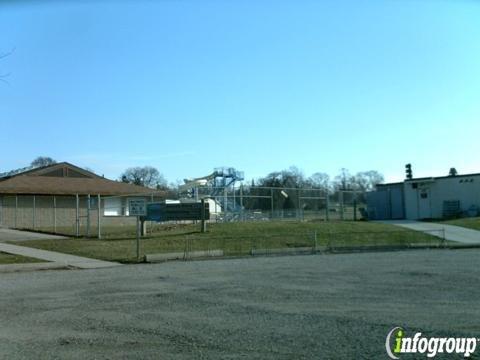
[
  {"x": 307, "y": 242},
  {"x": 70, "y": 215},
  {"x": 77, "y": 215},
  {"x": 256, "y": 203},
  {"x": 104, "y": 216}
]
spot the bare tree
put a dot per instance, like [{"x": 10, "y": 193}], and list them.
[
  {"x": 42, "y": 161},
  {"x": 320, "y": 180},
  {"x": 3, "y": 76},
  {"x": 147, "y": 176},
  {"x": 344, "y": 180},
  {"x": 367, "y": 180}
]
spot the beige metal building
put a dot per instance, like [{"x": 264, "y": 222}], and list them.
[
  {"x": 426, "y": 198},
  {"x": 63, "y": 198},
  {"x": 442, "y": 197}
]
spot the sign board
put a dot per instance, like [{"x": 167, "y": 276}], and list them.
[
  {"x": 172, "y": 212},
  {"x": 137, "y": 207}
]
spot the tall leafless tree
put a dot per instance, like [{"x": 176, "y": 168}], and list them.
[{"x": 144, "y": 176}]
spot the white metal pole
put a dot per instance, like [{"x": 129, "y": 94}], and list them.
[
  {"x": 16, "y": 209},
  {"x": 225, "y": 199},
  {"x": 241, "y": 202},
  {"x": 341, "y": 205},
  {"x": 271, "y": 203},
  {"x": 99, "y": 209},
  {"x": 299, "y": 204},
  {"x": 88, "y": 215},
  {"x": 138, "y": 237},
  {"x": 54, "y": 214},
  {"x": 77, "y": 216},
  {"x": 327, "y": 207},
  {"x": 34, "y": 210}
]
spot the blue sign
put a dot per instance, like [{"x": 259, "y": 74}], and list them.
[{"x": 182, "y": 211}]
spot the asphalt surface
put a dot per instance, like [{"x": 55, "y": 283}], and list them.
[{"x": 292, "y": 307}]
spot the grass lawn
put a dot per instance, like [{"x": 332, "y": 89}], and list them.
[
  {"x": 471, "y": 223},
  {"x": 234, "y": 238},
  {"x": 16, "y": 259}
]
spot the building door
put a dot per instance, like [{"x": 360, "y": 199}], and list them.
[{"x": 424, "y": 204}]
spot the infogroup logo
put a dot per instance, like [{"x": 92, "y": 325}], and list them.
[{"x": 398, "y": 343}]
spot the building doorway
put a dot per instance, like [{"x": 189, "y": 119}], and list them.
[{"x": 424, "y": 204}]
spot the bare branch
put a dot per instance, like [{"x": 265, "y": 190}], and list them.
[
  {"x": 4, "y": 81},
  {"x": 3, "y": 76},
  {"x": 4, "y": 55}
]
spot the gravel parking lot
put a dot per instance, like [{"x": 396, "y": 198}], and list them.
[{"x": 302, "y": 307}]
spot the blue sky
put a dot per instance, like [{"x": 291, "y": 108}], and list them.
[{"x": 187, "y": 86}]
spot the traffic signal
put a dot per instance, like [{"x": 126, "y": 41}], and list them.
[{"x": 408, "y": 171}]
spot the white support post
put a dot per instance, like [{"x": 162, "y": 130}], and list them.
[
  {"x": 138, "y": 238},
  {"x": 16, "y": 210},
  {"x": 241, "y": 203},
  {"x": 225, "y": 203},
  {"x": 77, "y": 216},
  {"x": 54, "y": 214},
  {"x": 271, "y": 203},
  {"x": 99, "y": 216},
  {"x": 88, "y": 215},
  {"x": 33, "y": 215}
]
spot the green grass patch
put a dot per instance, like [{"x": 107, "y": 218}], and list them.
[
  {"x": 471, "y": 223},
  {"x": 16, "y": 259},
  {"x": 235, "y": 238}
]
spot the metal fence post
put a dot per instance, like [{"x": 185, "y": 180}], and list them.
[
  {"x": 298, "y": 204},
  {"x": 138, "y": 238},
  {"x": 327, "y": 208},
  {"x": 271, "y": 203},
  {"x": 203, "y": 221},
  {"x": 88, "y": 215},
  {"x": 54, "y": 214},
  {"x": 225, "y": 204},
  {"x": 99, "y": 207},
  {"x": 34, "y": 210},
  {"x": 234, "y": 200},
  {"x": 77, "y": 216},
  {"x": 241, "y": 203},
  {"x": 355, "y": 209},
  {"x": 16, "y": 209},
  {"x": 341, "y": 206}
]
